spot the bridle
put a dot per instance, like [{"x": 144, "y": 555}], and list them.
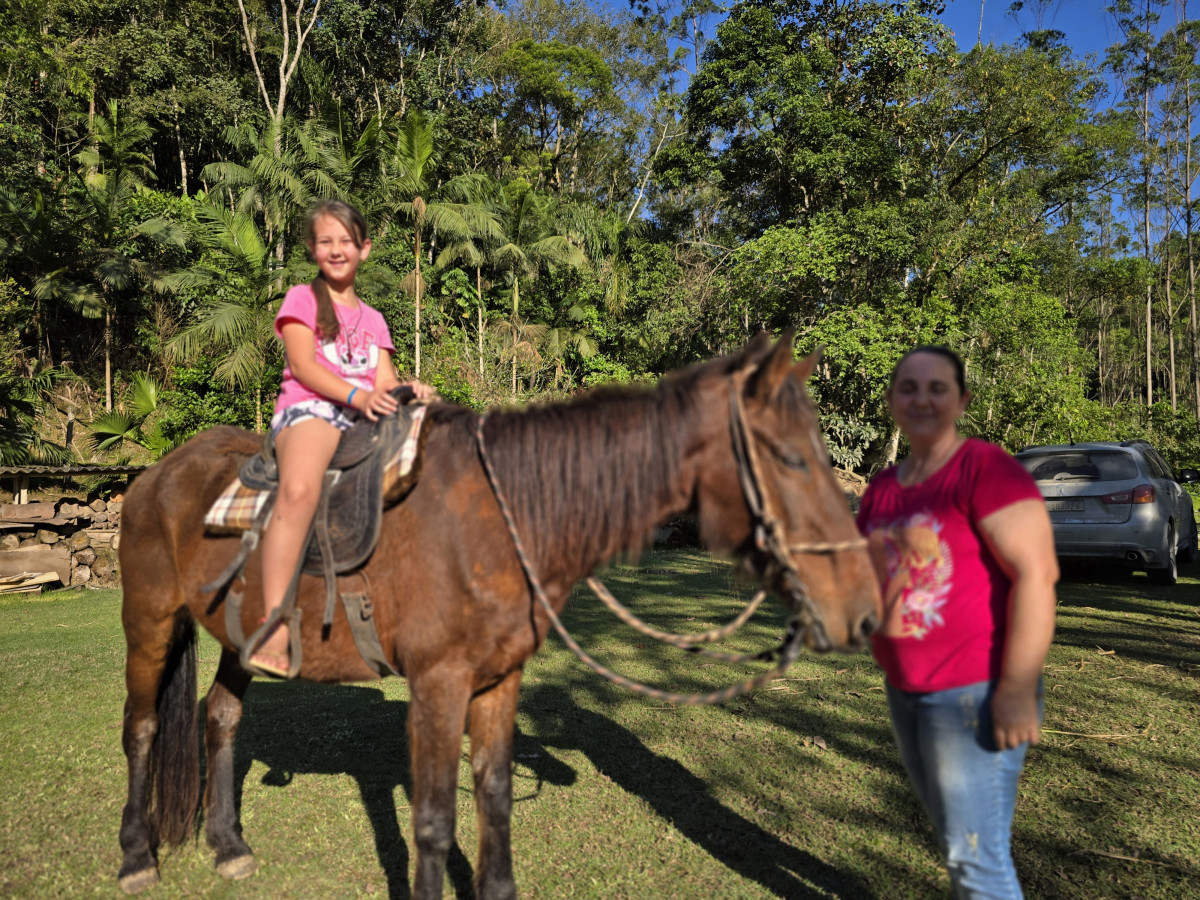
[
  {"x": 768, "y": 538},
  {"x": 769, "y": 533}
]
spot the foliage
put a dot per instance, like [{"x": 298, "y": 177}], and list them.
[
  {"x": 132, "y": 423},
  {"x": 562, "y": 194}
]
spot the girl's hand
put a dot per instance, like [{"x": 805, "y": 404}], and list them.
[
  {"x": 420, "y": 389},
  {"x": 374, "y": 404}
]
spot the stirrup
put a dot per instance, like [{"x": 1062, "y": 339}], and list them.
[{"x": 294, "y": 648}]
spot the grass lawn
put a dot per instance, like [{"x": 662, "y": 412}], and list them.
[{"x": 794, "y": 791}]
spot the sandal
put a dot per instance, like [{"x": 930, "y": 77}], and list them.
[{"x": 272, "y": 664}]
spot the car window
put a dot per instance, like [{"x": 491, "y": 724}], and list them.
[
  {"x": 1080, "y": 465},
  {"x": 1160, "y": 464}
]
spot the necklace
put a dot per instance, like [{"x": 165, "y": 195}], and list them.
[{"x": 350, "y": 331}]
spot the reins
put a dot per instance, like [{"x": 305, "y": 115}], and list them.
[{"x": 767, "y": 538}]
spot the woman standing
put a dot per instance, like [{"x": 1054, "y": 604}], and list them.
[{"x": 964, "y": 551}]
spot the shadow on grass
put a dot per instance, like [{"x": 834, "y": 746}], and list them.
[
  {"x": 317, "y": 729},
  {"x": 303, "y": 729},
  {"x": 683, "y": 799}
]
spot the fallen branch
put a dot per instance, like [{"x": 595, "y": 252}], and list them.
[
  {"x": 1149, "y": 862},
  {"x": 1095, "y": 737}
]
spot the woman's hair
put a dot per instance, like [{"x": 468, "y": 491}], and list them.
[
  {"x": 356, "y": 225},
  {"x": 960, "y": 371}
]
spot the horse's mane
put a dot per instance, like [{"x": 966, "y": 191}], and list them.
[{"x": 586, "y": 478}]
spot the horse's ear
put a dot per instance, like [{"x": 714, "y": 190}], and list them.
[
  {"x": 774, "y": 370},
  {"x": 804, "y": 369},
  {"x": 756, "y": 350}
]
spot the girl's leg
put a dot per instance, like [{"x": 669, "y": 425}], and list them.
[
  {"x": 302, "y": 452},
  {"x": 969, "y": 788}
]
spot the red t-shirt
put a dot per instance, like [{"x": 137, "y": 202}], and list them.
[{"x": 945, "y": 596}]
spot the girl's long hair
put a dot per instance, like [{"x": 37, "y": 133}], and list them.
[{"x": 356, "y": 225}]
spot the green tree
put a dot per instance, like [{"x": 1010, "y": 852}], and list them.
[
  {"x": 454, "y": 209},
  {"x": 533, "y": 241},
  {"x": 239, "y": 278}
]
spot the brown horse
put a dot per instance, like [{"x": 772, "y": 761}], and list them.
[{"x": 587, "y": 480}]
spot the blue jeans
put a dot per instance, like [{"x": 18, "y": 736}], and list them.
[{"x": 967, "y": 786}]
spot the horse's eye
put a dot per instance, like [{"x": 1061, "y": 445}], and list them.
[{"x": 792, "y": 460}]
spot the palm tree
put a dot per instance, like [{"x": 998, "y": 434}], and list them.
[
  {"x": 534, "y": 240},
  {"x": 112, "y": 429},
  {"x": 235, "y": 322},
  {"x": 473, "y": 254},
  {"x": 78, "y": 248},
  {"x": 115, "y": 173},
  {"x": 288, "y": 165},
  {"x": 453, "y": 210},
  {"x": 20, "y": 407}
]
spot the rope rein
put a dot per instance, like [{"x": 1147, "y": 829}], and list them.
[
  {"x": 767, "y": 537},
  {"x": 787, "y": 652}
]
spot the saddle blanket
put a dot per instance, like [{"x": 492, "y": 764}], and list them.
[{"x": 238, "y": 506}]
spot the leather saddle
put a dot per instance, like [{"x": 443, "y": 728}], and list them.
[
  {"x": 346, "y": 525},
  {"x": 343, "y": 534}
]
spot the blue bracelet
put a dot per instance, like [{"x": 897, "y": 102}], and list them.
[{"x": 350, "y": 399}]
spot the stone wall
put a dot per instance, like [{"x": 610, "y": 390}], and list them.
[{"x": 76, "y": 538}]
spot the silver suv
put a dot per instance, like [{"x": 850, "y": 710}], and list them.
[{"x": 1116, "y": 501}]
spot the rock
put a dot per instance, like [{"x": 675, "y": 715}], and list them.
[
  {"x": 100, "y": 517},
  {"x": 118, "y": 498},
  {"x": 9, "y": 542},
  {"x": 30, "y": 542},
  {"x": 98, "y": 505},
  {"x": 78, "y": 541},
  {"x": 46, "y": 536},
  {"x": 81, "y": 575},
  {"x": 85, "y": 557},
  {"x": 105, "y": 566},
  {"x": 113, "y": 506}
]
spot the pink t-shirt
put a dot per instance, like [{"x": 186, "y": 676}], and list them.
[
  {"x": 355, "y": 354},
  {"x": 945, "y": 596}
]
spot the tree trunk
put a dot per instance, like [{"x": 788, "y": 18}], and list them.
[
  {"x": 183, "y": 181},
  {"x": 417, "y": 306},
  {"x": 1146, "y": 233},
  {"x": 107, "y": 357},
  {"x": 479, "y": 297},
  {"x": 1191, "y": 270},
  {"x": 516, "y": 302}
]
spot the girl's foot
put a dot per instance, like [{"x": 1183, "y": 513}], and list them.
[
  {"x": 272, "y": 656},
  {"x": 271, "y": 663}
]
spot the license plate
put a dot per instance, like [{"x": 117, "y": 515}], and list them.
[{"x": 1064, "y": 505}]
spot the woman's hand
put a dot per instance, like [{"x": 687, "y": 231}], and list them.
[
  {"x": 1022, "y": 541},
  {"x": 373, "y": 404},
  {"x": 1014, "y": 716}
]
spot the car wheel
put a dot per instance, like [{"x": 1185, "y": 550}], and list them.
[
  {"x": 1169, "y": 573},
  {"x": 1191, "y": 552}
]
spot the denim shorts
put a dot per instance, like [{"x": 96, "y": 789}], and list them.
[{"x": 340, "y": 417}]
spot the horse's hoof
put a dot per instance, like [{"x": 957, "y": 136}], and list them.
[
  {"x": 136, "y": 882},
  {"x": 238, "y": 868}
]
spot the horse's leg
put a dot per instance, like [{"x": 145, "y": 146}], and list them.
[
  {"x": 491, "y": 715},
  {"x": 222, "y": 829},
  {"x": 160, "y": 673},
  {"x": 436, "y": 717}
]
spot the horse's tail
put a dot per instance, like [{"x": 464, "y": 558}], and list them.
[{"x": 175, "y": 759}]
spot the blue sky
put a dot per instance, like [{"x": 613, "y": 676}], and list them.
[{"x": 1087, "y": 26}]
